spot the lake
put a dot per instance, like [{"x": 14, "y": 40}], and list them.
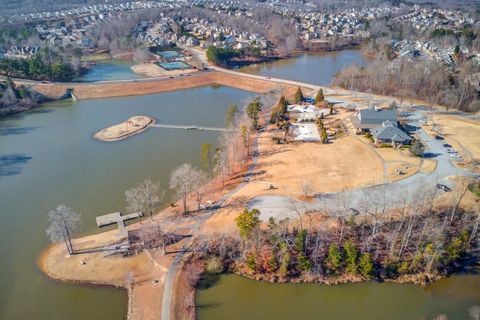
[
  {"x": 108, "y": 70},
  {"x": 48, "y": 157},
  {"x": 233, "y": 297},
  {"x": 314, "y": 68}
]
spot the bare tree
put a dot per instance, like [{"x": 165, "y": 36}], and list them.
[
  {"x": 64, "y": 222},
  {"x": 145, "y": 197},
  {"x": 457, "y": 196},
  {"x": 182, "y": 180},
  {"x": 200, "y": 182}
]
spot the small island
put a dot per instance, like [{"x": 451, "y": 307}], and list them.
[{"x": 132, "y": 126}]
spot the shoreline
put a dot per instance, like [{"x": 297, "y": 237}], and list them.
[{"x": 209, "y": 78}]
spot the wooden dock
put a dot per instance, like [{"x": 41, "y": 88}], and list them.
[{"x": 117, "y": 218}]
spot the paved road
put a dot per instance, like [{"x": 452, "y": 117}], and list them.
[
  {"x": 281, "y": 207},
  {"x": 167, "y": 293}
]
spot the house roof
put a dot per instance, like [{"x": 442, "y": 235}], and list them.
[
  {"x": 377, "y": 117},
  {"x": 390, "y": 132}
]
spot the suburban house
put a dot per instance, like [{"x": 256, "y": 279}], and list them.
[
  {"x": 390, "y": 133},
  {"x": 368, "y": 119}
]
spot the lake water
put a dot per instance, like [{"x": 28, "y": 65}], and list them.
[
  {"x": 314, "y": 68},
  {"x": 110, "y": 69},
  {"x": 233, "y": 297},
  {"x": 48, "y": 157}
]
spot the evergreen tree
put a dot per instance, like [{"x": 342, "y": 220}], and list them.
[
  {"x": 417, "y": 148},
  {"x": 324, "y": 136},
  {"x": 319, "y": 97},
  {"x": 334, "y": 259},
  {"x": 351, "y": 256},
  {"x": 253, "y": 110},
  {"x": 298, "y": 95},
  {"x": 365, "y": 265}
]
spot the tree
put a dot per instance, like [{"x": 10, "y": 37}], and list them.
[
  {"x": 320, "y": 97},
  {"x": 182, "y": 181},
  {"x": 334, "y": 259},
  {"x": 200, "y": 181},
  {"x": 253, "y": 110},
  {"x": 417, "y": 149},
  {"x": 298, "y": 98},
  {"x": 365, "y": 265},
  {"x": 244, "y": 134},
  {"x": 324, "y": 136},
  {"x": 231, "y": 115},
  {"x": 351, "y": 255},
  {"x": 145, "y": 197},
  {"x": 207, "y": 158},
  {"x": 247, "y": 222},
  {"x": 64, "y": 222}
]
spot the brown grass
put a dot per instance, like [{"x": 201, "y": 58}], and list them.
[{"x": 464, "y": 133}]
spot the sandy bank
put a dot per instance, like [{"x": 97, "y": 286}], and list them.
[
  {"x": 152, "y": 70},
  {"x": 132, "y": 126},
  {"x": 149, "y": 86}
]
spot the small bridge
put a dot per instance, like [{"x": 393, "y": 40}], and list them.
[{"x": 198, "y": 128}]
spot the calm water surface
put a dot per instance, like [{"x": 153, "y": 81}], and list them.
[
  {"x": 110, "y": 69},
  {"x": 48, "y": 157},
  {"x": 233, "y": 297},
  {"x": 315, "y": 68}
]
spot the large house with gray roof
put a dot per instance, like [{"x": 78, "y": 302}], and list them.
[
  {"x": 368, "y": 119},
  {"x": 390, "y": 133}
]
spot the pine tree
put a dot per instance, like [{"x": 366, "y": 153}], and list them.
[
  {"x": 324, "y": 136},
  {"x": 319, "y": 97},
  {"x": 334, "y": 259},
  {"x": 351, "y": 256},
  {"x": 298, "y": 95},
  {"x": 365, "y": 265}
]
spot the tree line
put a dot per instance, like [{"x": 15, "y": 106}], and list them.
[
  {"x": 426, "y": 80},
  {"x": 37, "y": 68},
  {"x": 417, "y": 241}
]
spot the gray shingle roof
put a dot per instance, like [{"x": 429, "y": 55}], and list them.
[
  {"x": 377, "y": 117},
  {"x": 391, "y": 132}
]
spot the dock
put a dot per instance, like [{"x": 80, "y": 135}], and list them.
[
  {"x": 185, "y": 127},
  {"x": 117, "y": 218}
]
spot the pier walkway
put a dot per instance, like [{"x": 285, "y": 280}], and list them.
[{"x": 185, "y": 127}]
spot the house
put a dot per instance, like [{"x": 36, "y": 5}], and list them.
[
  {"x": 371, "y": 118},
  {"x": 390, "y": 133}
]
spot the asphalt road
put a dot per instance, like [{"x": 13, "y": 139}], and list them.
[{"x": 394, "y": 193}]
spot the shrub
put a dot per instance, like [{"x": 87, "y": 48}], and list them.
[{"x": 214, "y": 265}]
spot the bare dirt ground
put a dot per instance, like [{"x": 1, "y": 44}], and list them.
[
  {"x": 152, "y": 70},
  {"x": 125, "y": 129},
  {"x": 149, "y": 86}
]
